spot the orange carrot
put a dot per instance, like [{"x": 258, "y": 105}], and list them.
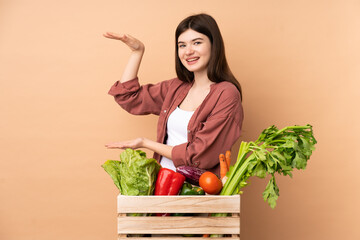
[
  {"x": 223, "y": 166},
  {"x": 228, "y": 158}
]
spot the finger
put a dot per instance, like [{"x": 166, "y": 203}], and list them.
[
  {"x": 117, "y": 145},
  {"x": 110, "y": 36},
  {"x": 117, "y": 35},
  {"x": 111, "y": 145},
  {"x": 114, "y": 35},
  {"x": 107, "y": 34}
]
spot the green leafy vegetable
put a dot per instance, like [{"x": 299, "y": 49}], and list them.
[
  {"x": 112, "y": 167},
  {"x": 275, "y": 151},
  {"x": 135, "y": 174}
]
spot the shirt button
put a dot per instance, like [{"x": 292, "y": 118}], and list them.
[
  {"x": 188, "y": 131},
  {"x": 164, "y": 111}
]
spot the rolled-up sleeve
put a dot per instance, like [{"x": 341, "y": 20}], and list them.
[{"x": 140, "y": 100}]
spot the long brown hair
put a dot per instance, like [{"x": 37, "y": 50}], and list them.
[{"x": 218, "y": 69}]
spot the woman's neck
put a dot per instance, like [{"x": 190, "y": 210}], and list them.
[{"x": 201, "y": 80}]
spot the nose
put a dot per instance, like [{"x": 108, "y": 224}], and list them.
[{"x": 189, "y": 50}]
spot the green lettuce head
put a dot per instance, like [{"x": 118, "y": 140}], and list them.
[{"x": 135, "y": 174}]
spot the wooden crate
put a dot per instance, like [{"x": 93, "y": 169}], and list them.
[{"x": 175, "y": 226}]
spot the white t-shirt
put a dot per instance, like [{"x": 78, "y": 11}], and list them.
[{"x": 176, "y": 132}]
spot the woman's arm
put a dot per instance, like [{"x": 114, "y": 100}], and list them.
[
  {"x": 137, "y": 48},
  {"x": 162, "y": 149},
  {"x": 130, "y": 73}
]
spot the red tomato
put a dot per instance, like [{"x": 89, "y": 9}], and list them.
[{"x": 210, "y": 183}]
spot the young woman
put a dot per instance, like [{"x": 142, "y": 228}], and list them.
[{"x": 200, "y": 111}]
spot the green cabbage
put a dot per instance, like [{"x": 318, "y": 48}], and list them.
[{"x": 134, "y": 174}]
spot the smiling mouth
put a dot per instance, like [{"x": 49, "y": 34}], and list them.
[{"x": 192, "y": 60}]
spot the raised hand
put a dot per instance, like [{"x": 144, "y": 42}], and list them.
[{"x": 133, "y": 43}]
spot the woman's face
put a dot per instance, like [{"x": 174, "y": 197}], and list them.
[{"x": 194, "y": 50}]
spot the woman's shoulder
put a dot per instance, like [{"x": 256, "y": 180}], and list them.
[
  {"x": 175, "y": 83},
  {"x": 227, "y": 90},
  {"x": 225, "y": 101},
  {"x": 173, "y": 80}
]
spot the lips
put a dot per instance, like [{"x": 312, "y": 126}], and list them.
[{"x": 192, "y": 60}]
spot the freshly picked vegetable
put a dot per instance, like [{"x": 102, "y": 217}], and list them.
[
  {"x": 210, "y": 183},
  {"x": 192, "y": 174},
  {"x": 275, "y": 151},
  {"x": 224, "y": 165},
  {"x": 134, "y": 174},
  {"x": 168, "y": 182},
  {"x": 189, "y": 189}
]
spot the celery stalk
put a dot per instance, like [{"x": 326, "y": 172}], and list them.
[{"x": 275, "y": 151}]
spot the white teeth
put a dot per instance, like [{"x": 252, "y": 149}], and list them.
[{"x": 193, "y": 59}]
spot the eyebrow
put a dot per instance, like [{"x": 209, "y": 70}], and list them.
[{"x": 195, "y": 39}]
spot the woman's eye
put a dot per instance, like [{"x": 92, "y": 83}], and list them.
[
  {"x": 197, "y": 43},
  {"x": 181, "y": 45}
]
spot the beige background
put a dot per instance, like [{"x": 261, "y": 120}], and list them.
[{"x": 297, "y": 61}]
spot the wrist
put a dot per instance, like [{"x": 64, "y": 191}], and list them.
[
  {"x": 144, "y": 142},
  {"x": 138, "y": 52},
  {"x": 135, "y": 58}
]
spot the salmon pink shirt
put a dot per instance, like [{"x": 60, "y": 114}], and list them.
[{"x": 213, "y": 128}]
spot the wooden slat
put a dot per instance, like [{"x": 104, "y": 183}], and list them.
[
  {"x": 178, "y": 225},
  {"x": 122, "y": 235},
  {"x": 179, "y": 204},
  {"x": 238, "y": 216}
]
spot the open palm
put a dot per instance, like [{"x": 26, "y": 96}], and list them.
[{"x": 133, "y": 43}]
